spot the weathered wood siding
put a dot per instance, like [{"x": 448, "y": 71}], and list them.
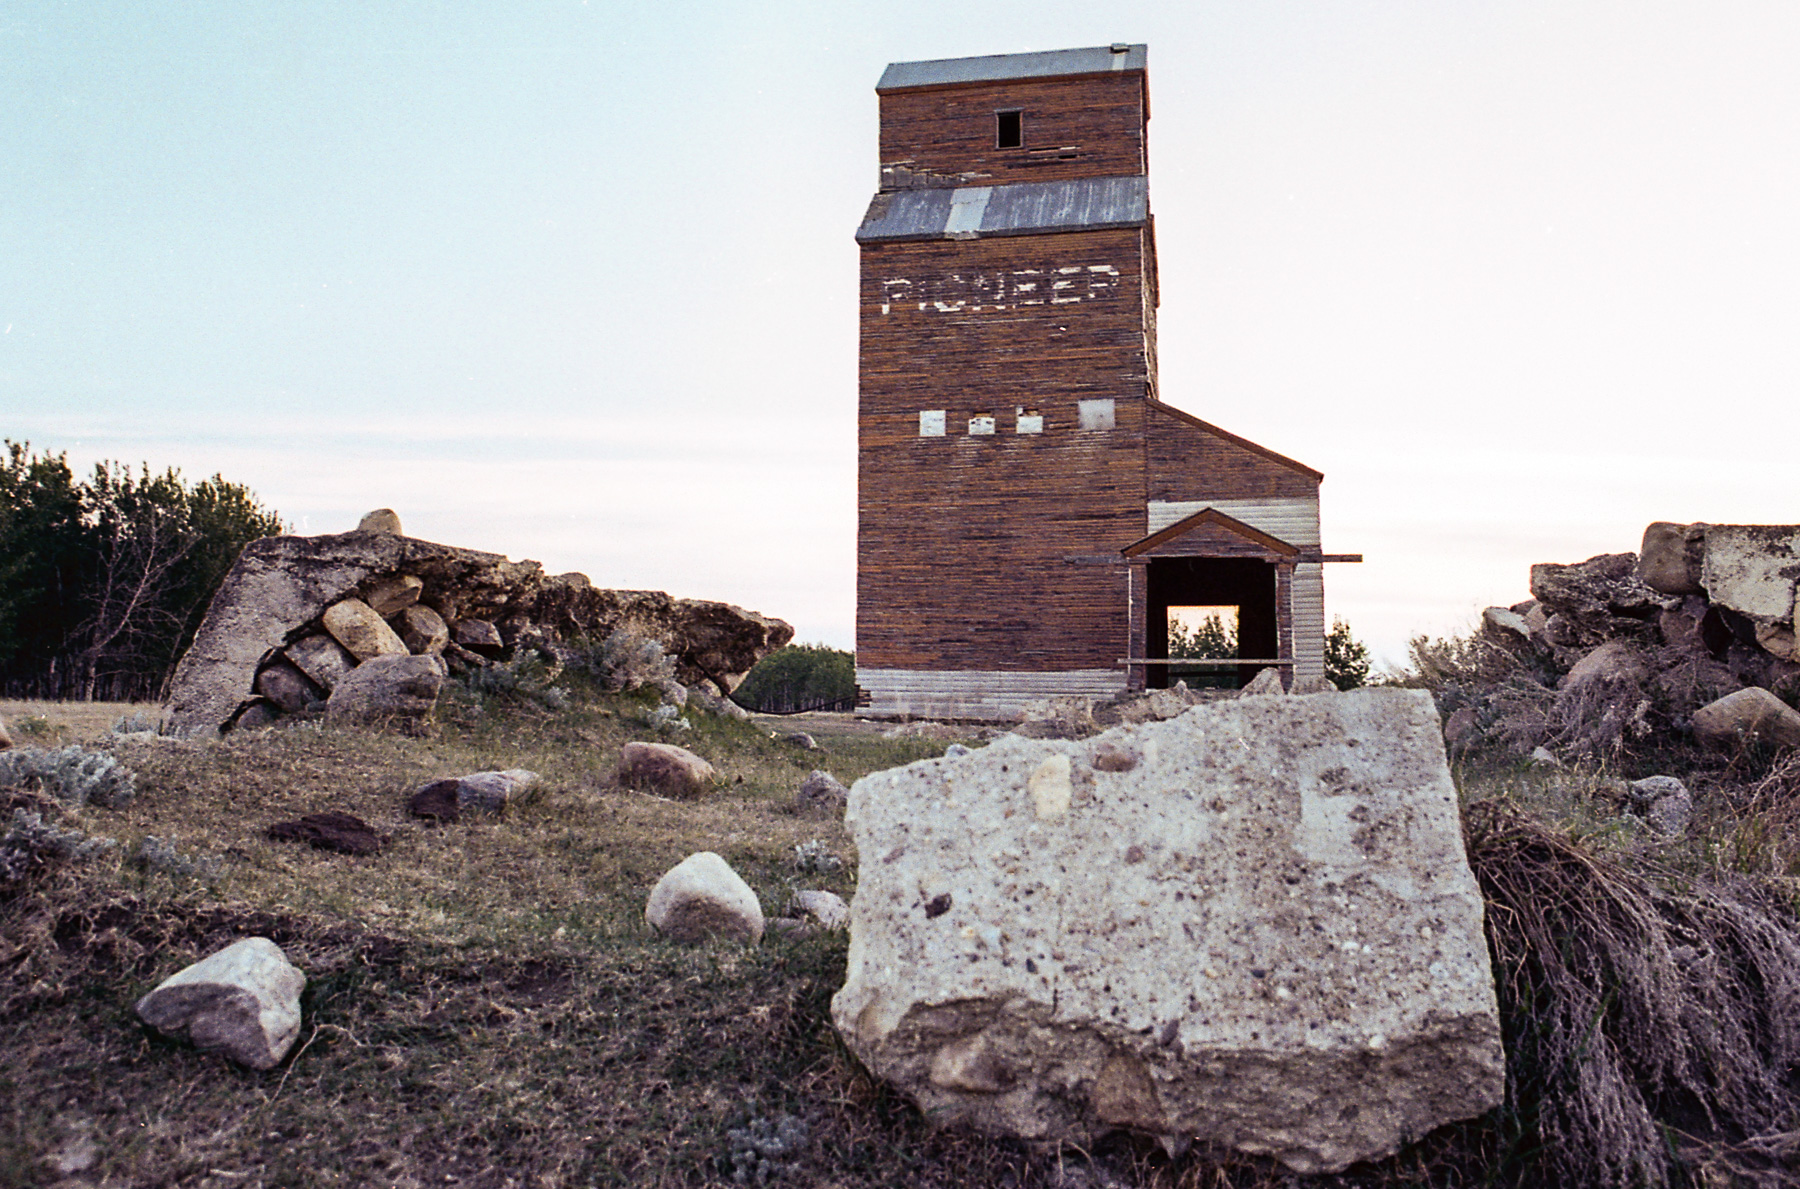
[
  {"x": 1191, "y": 460},
  {"x": 975, "y": 693},
  {"x": 963, "y": 538},
  {"x": 1073, "y": 128},
  {"x": 1294, "y": 519}
]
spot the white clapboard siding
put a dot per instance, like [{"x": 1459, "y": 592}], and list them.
[
  {"x": 1309, "y": 620},
  {"x": 979, "y": 694},
  {"x": 1294, "y": 520}
]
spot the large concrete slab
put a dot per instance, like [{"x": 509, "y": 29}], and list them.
[{"x": 1253, "y": 924}]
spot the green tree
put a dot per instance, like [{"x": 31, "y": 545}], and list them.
[
  {"x": 1208, "y": 640},
  {"x": 799, "y": 677},
  {"x": 1346, "y": 657},
  {"x": 104, "y": 582}
]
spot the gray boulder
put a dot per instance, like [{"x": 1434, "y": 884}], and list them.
[
  {"x": 702, "y": 897},
  {"x": 242, "y": 1001},
  {"x": 478, "y": 635},
  {"x": 821, "y": 793},
  {"x": 321, "y": 658},
  {"x": 827, "y": 908},
  {"x": 392, "y": 595},
  {"x": 422, "y": 630},
  {"x": 1671, "y": 557},
  {"x": 1751, "y": 715},
  {"x": 1652, "y": 789},
  {"x": 479, "y": 792},
  {"x": 287, "y": 688},
  {"x": 389, "y": 687},
  {"x": 1253, "y": 925}
]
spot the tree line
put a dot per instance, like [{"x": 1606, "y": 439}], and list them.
[{"x": 104, "y": 580}]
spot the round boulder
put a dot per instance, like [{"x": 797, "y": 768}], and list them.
[
  {"x": 664, "y": 768},
  {"x": 363, "y": 633},
  {"x": 381, "y": 520},
  {"x": 702, "y": 897}
]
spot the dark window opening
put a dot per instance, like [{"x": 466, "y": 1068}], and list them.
[{"x": 1009, "y": 129}]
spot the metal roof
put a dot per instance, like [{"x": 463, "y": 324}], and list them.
[
  {"x": 1024, "y": 208},
  {"x": 1098, "y": 59}
]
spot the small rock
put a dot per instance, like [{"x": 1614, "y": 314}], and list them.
[
  {"x": 381, "y": 520},
  {"x": 243, "y": 1002},
  {"x": 791, "y": 927},
  {"x": 802, "y": 740},
  {"x": 1543, "y": 757},
  {"x": 702, "y": 897},
  {"x": 828, "y": 908},
  {"x": 1266, "y": 682},
  {"x": 287, "y": 687},
  {"x": 390, "y": 596},
  {"x": 479, "y": 792},
  {"x": 1654, "y": 788},
  {"x": 1670, "y": 816},
  {"x": 5, "y": 736},
  {"x": 389, "y": 687},
  {"x": 821, "y": 792},
  {"x": 958, "y": 750},
  {"x": 322, "y": 659},
  {"x": 1749, "y": 715},
  {"x": 478, "y": 635},
  {"x": 1504, "y": 626},
  {"x": 364, "y": 634},
  {"x": 664, "y": 768},
  {"x": 344, "y": 833},
  {"x": 422, "y": 630}
]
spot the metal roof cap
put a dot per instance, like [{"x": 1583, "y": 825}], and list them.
[{"x": 1098, "y": 59}]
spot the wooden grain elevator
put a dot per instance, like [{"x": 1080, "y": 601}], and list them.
[{"x": 1028, "y": 509}]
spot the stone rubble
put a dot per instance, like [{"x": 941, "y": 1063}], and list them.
[
  {"x": 326, "y": 605},
  {"x": 1253, "y": 925},
  {"x": 242, "y": 1001},
  {"x": 477, "y": 793}
]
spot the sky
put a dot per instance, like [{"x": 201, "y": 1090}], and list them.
[{"x": 577, "y": 281}]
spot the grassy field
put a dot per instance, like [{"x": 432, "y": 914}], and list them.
[{"x": 487, "y": 1007}]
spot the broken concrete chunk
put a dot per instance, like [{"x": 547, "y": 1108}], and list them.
[
  {"x": 364, "y": 634},
  {"x": 1750, "y": 568},
  {"x": 242, "y": 1001},
  {"x": 1671, "y": 556},
  {"x": 1262, "y": 933},
  {"x": 1266, "y": 681},
  {"x": 702, "y": 897}
]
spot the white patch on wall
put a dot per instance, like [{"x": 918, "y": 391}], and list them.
[
  {"x": 931, "y": 423},
  {"x": 981, "y": 425},
  {"x": 1096, "y": 414},
  {"x": 1030, "y": 421}
]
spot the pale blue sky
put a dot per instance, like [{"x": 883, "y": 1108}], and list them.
[{"x": 576, "y": 281}]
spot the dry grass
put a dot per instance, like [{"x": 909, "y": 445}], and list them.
[{"x": 486, "y": 1006}]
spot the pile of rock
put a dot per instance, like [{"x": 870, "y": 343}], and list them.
[
  {"x": 1694, "y": 633},
  {"x": 369, "y": 624}
]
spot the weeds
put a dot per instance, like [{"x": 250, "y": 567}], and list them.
[
  {"x": 1647, "y": 1029},
  {"x": 73, "y": 775}
]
